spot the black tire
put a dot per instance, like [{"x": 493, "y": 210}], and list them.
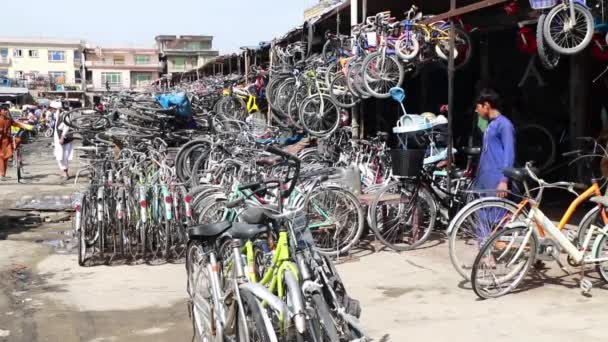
[
  {"x": 549, "y": 59},
  {"x": 340, "y": 92},
  {"x": 329, "y": 330},
  {"x": 460, "y": 230},
  {"x": 390, "y": 223},
  {"x": 514, "y": 278},
  {"x": 602, "y": 252},
  {"x": 255, "y": 322},
  {"x": 535, "y": 143}
]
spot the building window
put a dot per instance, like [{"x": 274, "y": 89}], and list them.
[
  {"x": 111, "y": 78},
  {"x": 33, "y": 53},
  {"x": 141, "y": 78},
  {"x": 193, "y": 46},
  {"x": 18, "y": 74},
  {"x": 77, "y": 78},
  {"x": 4, "y": 56},
  {"x": 142, "y": 59},
  {"x": 56, "y": 56},
  {"x": 119, "y": 60},
  {"x": 77, "y": 56},
  {"x": 3, "y": 72},
  {"x": 179, "y": 63},
  {"x": 17, "y": 53},
  {"x": 57, "y": 77}
]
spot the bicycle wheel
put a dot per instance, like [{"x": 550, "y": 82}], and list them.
[
  {"x": 549, "y": 59},
  {"x": 602, "y": 252},
  {"x": 207, "y": 325},
  {"x": 251, "y": 322},
  {"x": 463, "y": 47},
  {"x": 340, "y": 92},
  {"x": 504, "y": 261},
  {"x": 403, "y": 215},
  {"x": 407, "y": 47},
  {"x": 329, "y": 332},
  {"x": 336, "y": 220},
  {"x": 319, "y": 115},
  {"x": 354, "y": 79},
  {"x": 381, "y": 73},
  {"x": 592, "y": 217},
  {"x": 471, "y": 225},
  {"x": 535, "y": 143},
  {"x": 567, "y": 36},
  {"x": 330, "y": 50}
]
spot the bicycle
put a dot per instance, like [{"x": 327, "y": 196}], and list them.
[{"x": 517, "y": 244}]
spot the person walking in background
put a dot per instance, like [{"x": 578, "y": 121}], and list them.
[
  {"x": 62, "y": 145},
  {"x": 7, "y": 145},
  {"x": 497, "y": 154}
]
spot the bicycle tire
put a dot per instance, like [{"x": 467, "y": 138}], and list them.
[
  {"x": 327, "y": 322},
  {"x": 456, "y": 227},
  {"x": 601, "y": 253},
  {"x": 462, "y": 59},
  {"x": 326, "y": 122},
  {"x": 201, "y": 293},
  {"x": 355, "y": 80},
  {"x": 382, "y": 229},
  {"x": 256, "y": 323},
  {"x": 340, "y": 92},
  {"x": 549, "y": 59},
  {"x": 580, "y": 12},
  {"x": 368, "y": 77},
  {"x": 338, "y": 243},
  {"x": 407, "y": 48},
  {"x": 480, "y": 262},
  {"x": 543, "y": 158}
]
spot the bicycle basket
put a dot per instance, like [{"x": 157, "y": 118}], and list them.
[
  {"x": 542, "y": 4},
  {"x": 407, "y": 163}
]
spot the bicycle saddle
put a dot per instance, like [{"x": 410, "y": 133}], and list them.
[
  {"x": 518, "y": 175},
  {"x": 235, "y": 230},
  {"x": 472, "y": 151},
  {"x": 256, "y": 215}
]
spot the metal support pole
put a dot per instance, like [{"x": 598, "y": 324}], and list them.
[
  {"x": 451, "y": 96},
  {"x": 364, "y": 10},
  {"x": 356, "y": 111}
]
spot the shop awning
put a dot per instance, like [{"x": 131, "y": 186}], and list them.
[{"x": 10, "y": 91}]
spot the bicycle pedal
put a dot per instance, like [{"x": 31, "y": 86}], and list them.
[{"x": 586, "y": 285}]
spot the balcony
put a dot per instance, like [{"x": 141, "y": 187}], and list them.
[
  {"x": 110, "y": 64},
  {"x": 5, "y": 60}
]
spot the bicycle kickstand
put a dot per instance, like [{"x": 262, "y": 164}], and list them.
[{"x": 585, "y": 284}]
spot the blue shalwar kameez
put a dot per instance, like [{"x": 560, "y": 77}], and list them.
[{"x": 498, "y": 153}]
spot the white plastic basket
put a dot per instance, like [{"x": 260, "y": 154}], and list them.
[{"x": 542, "y": 4}]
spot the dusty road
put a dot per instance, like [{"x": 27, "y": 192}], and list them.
[{"x": 410, "y": 296}]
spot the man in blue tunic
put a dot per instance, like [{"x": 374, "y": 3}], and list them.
[
  {"x": 498, "y": 150},
  {"x": 498, "y": 153}
]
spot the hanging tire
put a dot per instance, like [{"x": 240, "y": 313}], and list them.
[
  {"x": 568, "y": 43},
  {"x": 340, "y": 92},
  {"x": 381, "y": 73},
  {"x": 549, "y": 59},
  {"x": 408, "y": 47},
  {"x": 319, "y": 115}
]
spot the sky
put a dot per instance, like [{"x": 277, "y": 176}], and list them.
[{"x": 135, "y": 23}]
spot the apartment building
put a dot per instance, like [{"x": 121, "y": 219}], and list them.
[
  {"x": 121, "y": 68},
  {"x": 184, "y": 53},
  {"x": 59, "y": 60}
]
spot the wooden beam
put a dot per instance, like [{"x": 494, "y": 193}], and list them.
[{"x": 464, "y": 10}]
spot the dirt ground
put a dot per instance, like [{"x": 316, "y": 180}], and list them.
[{"x": 46, "y": 296}]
